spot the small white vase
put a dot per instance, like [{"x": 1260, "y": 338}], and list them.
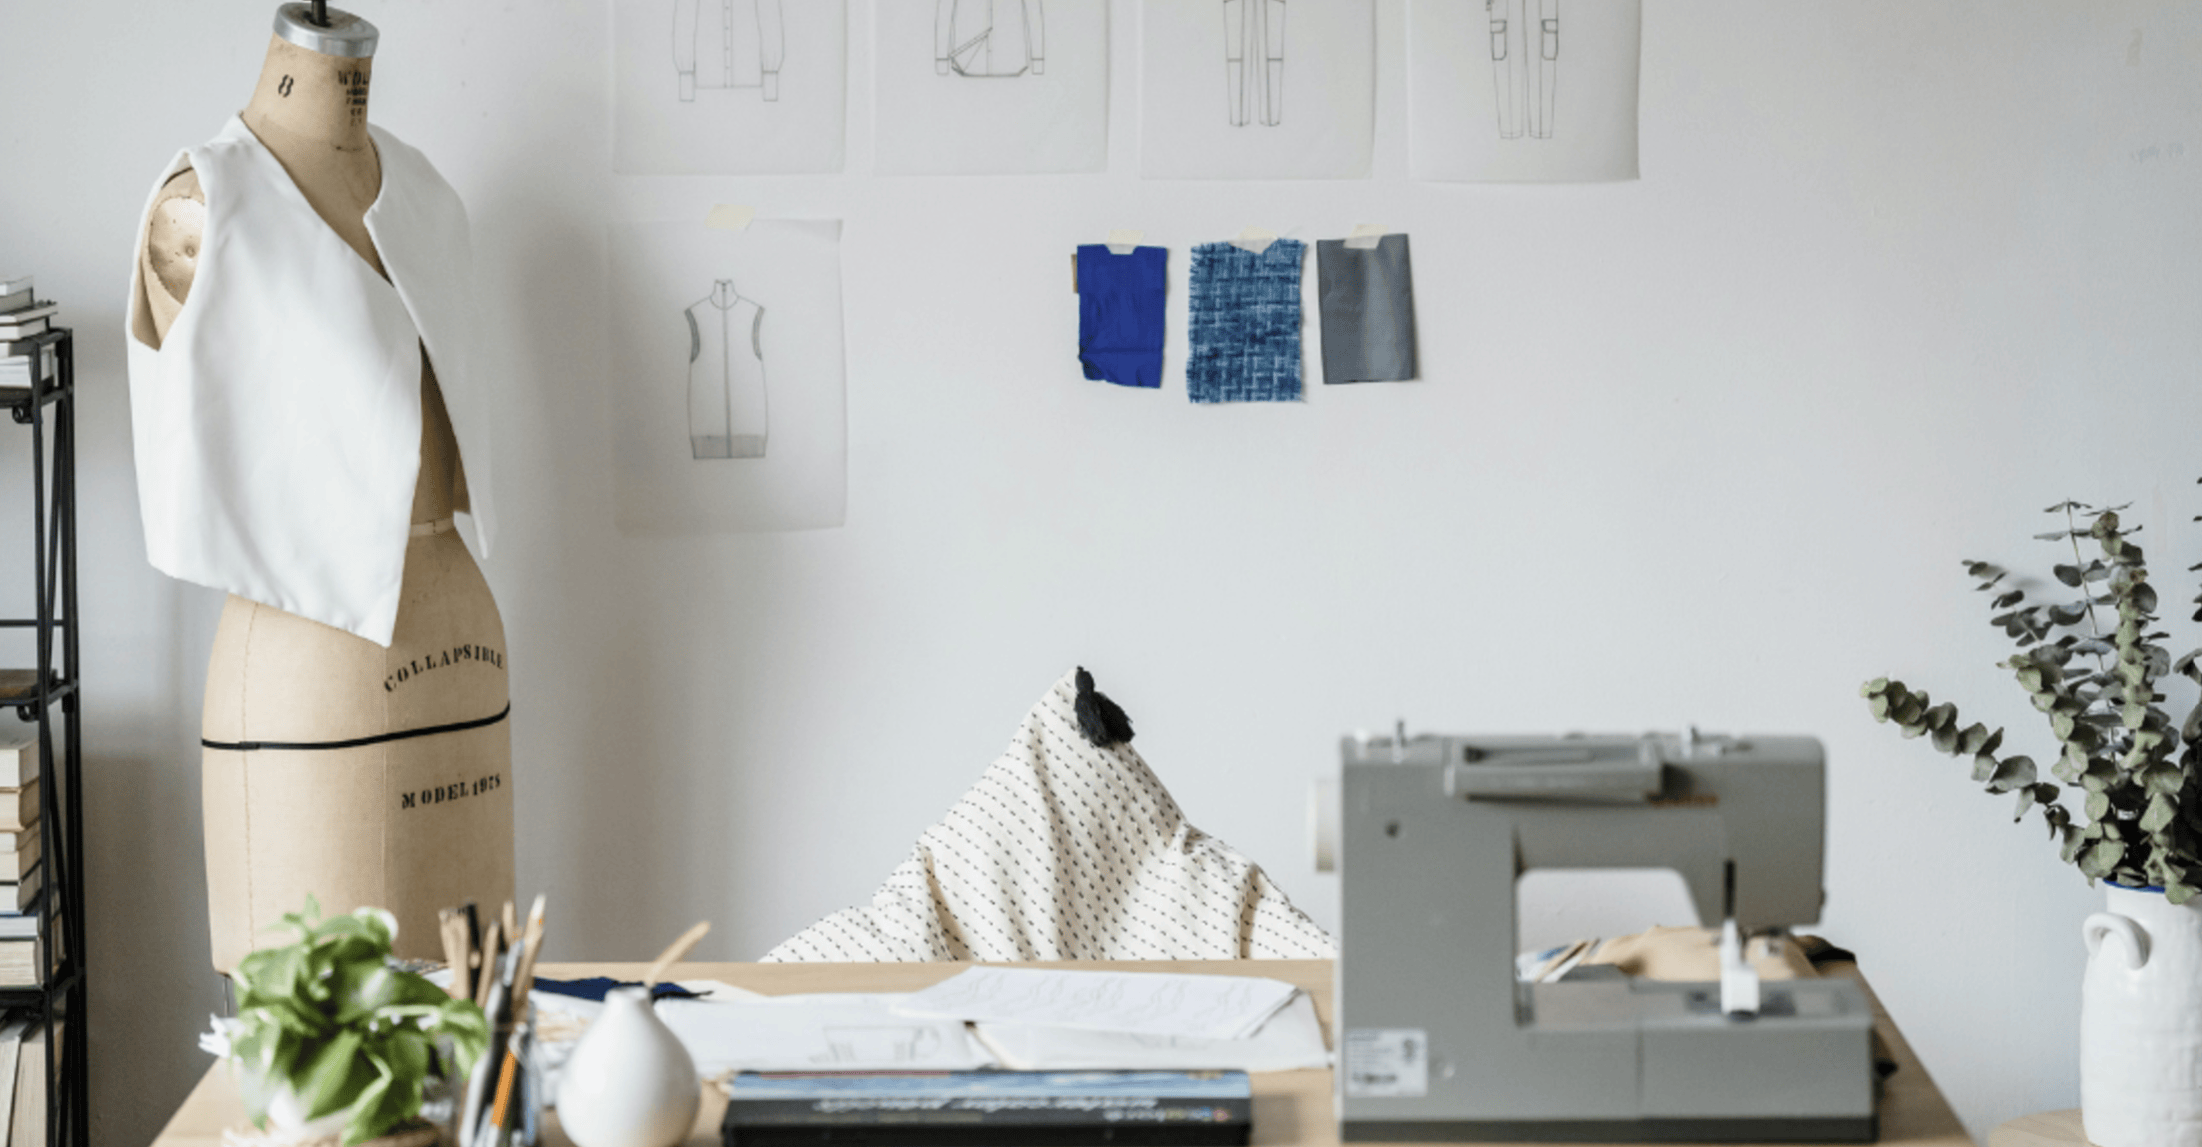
[
  {"x": 2141, "y": 1022},
  {"x": 629, "y": 1082}
]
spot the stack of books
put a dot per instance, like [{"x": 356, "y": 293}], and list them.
[
  {"x": 21, "y": 873},
  {"x": 21, "y": 316}
]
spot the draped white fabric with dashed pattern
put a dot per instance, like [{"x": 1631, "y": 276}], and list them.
[{"x": 1064, "y": 851}]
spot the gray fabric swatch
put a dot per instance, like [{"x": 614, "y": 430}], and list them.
[{"x": 1368, "y": 311}]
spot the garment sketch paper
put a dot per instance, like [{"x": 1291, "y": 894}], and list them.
[
  {"x": 991, "y": 87},
  {"x": 729, "y": 407},
  {"x": 727, "y": 390},
  {"x": 728, "y": 44},
  {"x": 736, "y": 87},
  {"x": 1257, "y": 89},
  {"x": 989, "y": 39},
  {"x": 1523, "y": 90}
]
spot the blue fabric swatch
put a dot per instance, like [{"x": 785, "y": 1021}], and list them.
[
  {"x": 1120, "y": 313},
  {"x": 1244, "y": 345},
  {"x": 595, "y": 988}
]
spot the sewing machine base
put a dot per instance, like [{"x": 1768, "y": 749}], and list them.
[{"x": 1754, "y": 1130}]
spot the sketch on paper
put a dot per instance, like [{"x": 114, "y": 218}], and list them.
[
  {"x": 989, "y": 39},
  {"x": 879, "y": 1043},
  {"x": 728, "y": 410},
  {"x": 728, "y": 44},
  {"x": 1254, "y": 59},
  {"x": 1525, "y": 64}
]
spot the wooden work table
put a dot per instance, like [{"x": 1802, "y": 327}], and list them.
[{"x": 1290, "y": 1107}]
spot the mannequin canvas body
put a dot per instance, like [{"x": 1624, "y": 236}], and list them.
[{"x": 339, "y": 832}]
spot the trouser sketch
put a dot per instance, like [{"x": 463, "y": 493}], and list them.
[
  {"x": 989, "y": 39},
  {"x": 728, "y": 44},
  {"x": 1253, "y": 60},
  {"x": 727, "y": 407},
  {"x": 1525, "y": 64}
]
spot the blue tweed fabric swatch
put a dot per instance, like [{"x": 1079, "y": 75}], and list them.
[{"x": 1245, "y": 338}]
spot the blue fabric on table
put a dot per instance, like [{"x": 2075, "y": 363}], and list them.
[
  {"x": 1244, "y": 345},
  {"x": 595, "y": 987},
  {"x": 1120, "y": 313}
]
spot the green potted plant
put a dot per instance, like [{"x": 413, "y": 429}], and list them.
[
  {"x": 2091, "y": 665},
  {"x": 329, "y": 1033}
]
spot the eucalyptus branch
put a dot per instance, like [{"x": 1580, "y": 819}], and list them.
[{"x": 2142, "y": 796}]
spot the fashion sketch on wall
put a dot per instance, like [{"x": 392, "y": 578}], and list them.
[
  {"x": 1525, "y": 64},
  {"x": 729, "y": 409},
  {"x": 727, "y": 395},
  {"x": 1253, "y": 61},
  {"x": 1485, "y": 101},
  {"x": 989, "y": 39},
  {"x": 990, "y": 87},
  {"x": 729, "y": 87},
  {"x": 728, "y": 44},
  {"x": 1298, "y": 81}
]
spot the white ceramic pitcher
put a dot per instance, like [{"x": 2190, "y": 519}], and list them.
[
  {"x": 629, "y": 1082},
  {"x": 2141, "y": 1022}
]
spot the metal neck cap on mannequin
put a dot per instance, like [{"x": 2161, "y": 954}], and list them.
[{"x": 337, "y": 33}]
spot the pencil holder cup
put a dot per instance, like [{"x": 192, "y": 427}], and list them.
[{"x": 629, "y": 1082}]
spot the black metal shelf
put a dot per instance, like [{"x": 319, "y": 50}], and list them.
[{"x": 47, "y": 695}]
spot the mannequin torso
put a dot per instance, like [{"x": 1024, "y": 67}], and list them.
[{"x": 275, "y": 677}]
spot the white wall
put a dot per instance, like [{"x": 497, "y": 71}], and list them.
[{"x": 1706, "y": 447}]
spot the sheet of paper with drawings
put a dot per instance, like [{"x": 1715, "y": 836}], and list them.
[
  {"x": 1292, "y": 1039},
  {"x": 1145, "y": 1003},
  {"x": 733, "y": 1029}
]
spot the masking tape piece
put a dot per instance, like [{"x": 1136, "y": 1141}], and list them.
[
  {"x": 1254, "y": 239},
  {"x": 1124, "y": 240},
  {"x": 1366, "y": 236},
  {"x": 729, "y": 217}
]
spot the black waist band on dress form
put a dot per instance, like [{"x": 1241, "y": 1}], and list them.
[{"x": 356, "y": 742}]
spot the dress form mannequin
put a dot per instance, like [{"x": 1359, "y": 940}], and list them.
[{"x": 413, "y": 821}]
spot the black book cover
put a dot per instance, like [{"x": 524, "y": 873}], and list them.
[{"x": 988, "y": 1108}]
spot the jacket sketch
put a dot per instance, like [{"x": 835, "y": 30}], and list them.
[
  {"x": 989, "y": 39},
  {"x": 727, "y": 405},
  {"x": 728, "y": 44},
  {"x": 1254, "y": 30},
  {"x": 1525, "y": 64}
]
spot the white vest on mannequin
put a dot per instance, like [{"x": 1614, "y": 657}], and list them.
[{"x": 334, "y": 766}]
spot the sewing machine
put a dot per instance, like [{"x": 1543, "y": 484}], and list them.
[{"x": 1439, "y": 1040}]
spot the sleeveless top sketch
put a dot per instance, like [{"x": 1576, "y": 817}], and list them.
[
  {"x": 728, "y": 409},
  {"x": 278, "y": 426}
]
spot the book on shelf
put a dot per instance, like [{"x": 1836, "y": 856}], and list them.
[
  {"x": 14, "y": 300},
  {"x": 12, "y": 1034},
  {"x": 19, "y": 806},
  {"x": 960, "y": 1108},
  {"x": 19, "y": 853},
  {"x": 24, "y": 316},
  {"x": 11, "y": 332},
  {"x": 15, "y": 370},
  {"x": 20, "y": 963},
  {"x": 22, "y": 892},
  {"x": 27, "y": 1123},
  {"x": 18, "y": 762},
  {"x": 10, "y": 284}
]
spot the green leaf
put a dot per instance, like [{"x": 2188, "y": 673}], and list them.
[
  {"x": 2011, "y": 773},
  {"x": 2097, "y": 862},
  {"x": 1971, "y": 740},
  {"x": 2097, "y": 806},
  {"x": 2159, "y": 814},
  {"x": 1984, "y": 766},
  {"x": 1874, "y": 688},
  {"x": 334, "y": 1076}
]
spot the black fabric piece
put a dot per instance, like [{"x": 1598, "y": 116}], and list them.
[
  {"x": 1100, "y": 719},
  {"x": 356, "y": 742}
]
